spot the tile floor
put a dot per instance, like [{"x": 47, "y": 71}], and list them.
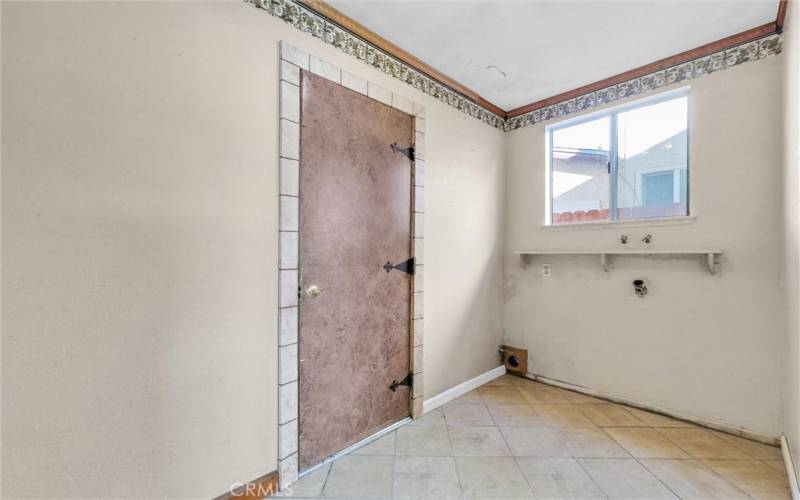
[{"x": 515, "y": 438}]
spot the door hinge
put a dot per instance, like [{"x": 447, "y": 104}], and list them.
[
  {"x": 408, "y": 152},
  {"x": 409, "y": 381},
  {"x": 406, "y": 266}
]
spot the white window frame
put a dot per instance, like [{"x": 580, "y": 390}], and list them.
[{"x": 612, "y": 113}]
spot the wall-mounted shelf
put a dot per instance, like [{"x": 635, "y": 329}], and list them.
[{"x": 711, "y": 255}]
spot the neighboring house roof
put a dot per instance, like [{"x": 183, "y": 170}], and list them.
[
  {"x": 574, "y": 154},
  {"x": 669, "y": 152}
]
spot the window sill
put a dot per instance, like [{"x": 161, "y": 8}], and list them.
[{"x": 664, "y": 221}]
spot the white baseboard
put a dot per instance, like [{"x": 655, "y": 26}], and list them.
[
  {"x": 461, "y": 389},
  {"x": 790, "y": 470},
  {"x": 730, "y": 429}
]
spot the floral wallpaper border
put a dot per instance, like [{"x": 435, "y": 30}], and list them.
[
  {"x": 746, "y": 52},
  {"x": 310, "y": 22}
]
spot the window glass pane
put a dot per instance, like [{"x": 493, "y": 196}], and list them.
[
  {"x": 657, "y": 189},
  {"x": 580, "y": 181},
  {"x": 651, "y": 165}
]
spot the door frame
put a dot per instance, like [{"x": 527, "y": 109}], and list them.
[{"x": 291, "y": 61}]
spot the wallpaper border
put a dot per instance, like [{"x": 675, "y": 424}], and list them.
[{"x": 308, "y": 21}]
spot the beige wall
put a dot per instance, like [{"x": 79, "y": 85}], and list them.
[
  {"x": 700, "y": 345},
  {"x": 140, "y": 250},
  {"x": 791, "y": 149}
]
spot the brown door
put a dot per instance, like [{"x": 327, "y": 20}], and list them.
[{"x": 355, "y": 215}]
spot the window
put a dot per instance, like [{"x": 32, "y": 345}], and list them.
[{"x": 626, "y": 163}]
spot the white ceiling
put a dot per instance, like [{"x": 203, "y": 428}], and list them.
[{"x": 513, "y": 53}]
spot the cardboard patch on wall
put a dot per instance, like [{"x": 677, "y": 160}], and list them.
[{"x": 515, "y": 360}]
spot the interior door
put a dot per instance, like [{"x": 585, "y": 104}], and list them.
[{"x": 355, "y": 215}]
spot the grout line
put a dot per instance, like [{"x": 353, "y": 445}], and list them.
[
  {"x": 327, "y": 476},
  {"x": 656, "y": 477},
  {"x": 600, "y": 488},
  {"x": 394, "y": 462}
]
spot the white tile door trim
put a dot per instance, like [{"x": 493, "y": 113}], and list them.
[{"x": 292, "y": 60}]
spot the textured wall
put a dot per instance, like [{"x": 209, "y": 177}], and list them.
[
  {"x": 140, "y": 245},
  {"x": 701, "y": 345}
]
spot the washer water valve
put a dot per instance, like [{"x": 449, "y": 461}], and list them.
[{"x": 639, "y": 288}]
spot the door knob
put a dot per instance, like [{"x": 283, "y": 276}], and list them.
[{"x": 315, "y": 291}]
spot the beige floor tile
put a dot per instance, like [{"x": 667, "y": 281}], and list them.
[
  {"x": 590, "y": 443},
  {"x": 656, "y": 420},
  {"x": 558, "y": 478},
  {"x": 426, "y": 478},
  {"x": 578, "y": 398},
  {"x": 487, "y": 442},
  {"x": 467, "y": 414},
  {"x": 691, "y": 479},
  {"x": 491, "y": 478},
  {"x": 533, "y": 442},
  {"x": 562, "y": 415},
  {"x": 500, "y": 394},
  {"x": 702, "y": 443},
  {"x": 542, "y": 394},
  {"x": 360, "y": 477},
  {"x": 610, "y": 415},
  {"x": 644, "y": 442},
  {"x": 519, "y": 380},
  {"x": 624, "y": 478},
  {"x": 470, "y": 397},
  {"x": 433, "y": 417},
  {"x": 382, "y": 446},
  {"x": 754, "y": 449},
  {"x": 515, "y": 414},
  {"x": 778, "y": 465},
  {"x": 310, "y": 485},
  {"x": 424, "y": 440},
  {"x": 477, "y": 442},
  {"x": 755, "y": 478},
  {"x": 503, "y": 380}
]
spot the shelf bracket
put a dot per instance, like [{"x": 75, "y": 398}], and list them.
[
  {"x": 525, "y": 260},
  {"x": 605, "y": 261},
  {"x": 712, "y": 262}
]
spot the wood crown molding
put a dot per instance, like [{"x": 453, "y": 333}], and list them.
[
  {"x": 696, "y": 53},
  {"x": 782, "y": 6},
  {"x": 702, "y": 51},
  {"x": 448, "y": 90},
  {"x": 335, "y": 16},
  {"x": 361, "y": 31}
]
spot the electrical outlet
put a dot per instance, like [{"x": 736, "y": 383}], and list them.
[{"x": 547, "y": 270}]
